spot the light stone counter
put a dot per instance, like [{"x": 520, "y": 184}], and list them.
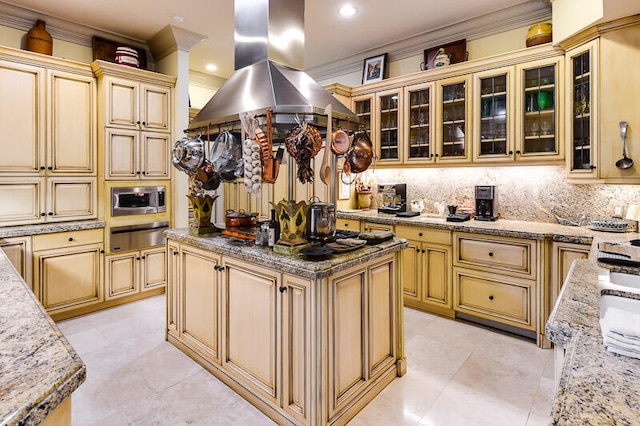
[
  {"x": 49, "y": 228},
  {"x": 595, "y": 387},
  {"x": 289, "y": 264},
  {"x": 39, "y": 368},
  {"x": 500, "y": 227}
]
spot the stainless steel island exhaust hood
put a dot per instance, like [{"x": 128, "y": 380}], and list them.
[{"x": 269, "y": 55}]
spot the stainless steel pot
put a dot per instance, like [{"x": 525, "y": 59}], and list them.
[
  {"x": 321, "y": 221},
  {"x": 188, "y": 154}
]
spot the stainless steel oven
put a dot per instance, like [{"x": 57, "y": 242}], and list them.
[
  {"x": 136, "y": 237},
  {"x": 138, "y": 200}
]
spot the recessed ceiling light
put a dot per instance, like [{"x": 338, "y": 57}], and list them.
[
  {"x": 176, "y": 17},
  {"x": 211, "y": 67},
  {"x": 347, "y": 10}
]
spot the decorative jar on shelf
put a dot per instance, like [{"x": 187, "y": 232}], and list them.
[
  {"x": 202, "y": 209},
  {"x": 364, "y": 200},
  {"x": 39, "y": 40}
]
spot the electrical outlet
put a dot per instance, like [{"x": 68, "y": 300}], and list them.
[{"x": 618, "y": 210}]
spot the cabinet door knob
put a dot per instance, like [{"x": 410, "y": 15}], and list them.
[
  {"x": 144, "y": 123},
  {"x": 490, "y": 297},
  {"x": 592, "y": 167},
  {"x": 424, "y": 251},
  {"x": 138, "y": 122},
  {"x": 101, "y": 251},
  {"x": 50, "y": 168},
  {"x": 42, "y": 167},
  {"x": 138, "y": 258},
  {"x": 138, "y": 172},
  {"x": 510, "y": 152},
  {"x": 490, "y": 254},
  {"x": 437, "y": 155},
  {"x": 175, "y": 252},
  {"x": 50, "y": 213},
  {"x": 43, "y": 214},
  {"x": 420, "y": 234},
  {"x": 70, "y": 238},
  {"x": 282, "y": 289},
  {"x": 144, "y": 173},
  {"x": 144, "y": 257},
  {"x": 518, "y": 152}
]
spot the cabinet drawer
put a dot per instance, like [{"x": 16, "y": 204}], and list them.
[
  {"x": 67, "y": 239},
  {"x": 509, "y": 255},
  {"x": 495, "y": 297},
  {"x": 435, "y": 236},
  {"x": 348, "y": 224}
]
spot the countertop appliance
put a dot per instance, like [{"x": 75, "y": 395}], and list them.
[
  {"x": 138, "y": 200},
  {"x": 486, "y": 203},
  {"x": 393, "y": 197}
]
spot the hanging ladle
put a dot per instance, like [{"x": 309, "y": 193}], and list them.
[{"x": 624, "y": 162}]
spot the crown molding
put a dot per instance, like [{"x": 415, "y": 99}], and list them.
[
  {"x": 22, "y": 19},
  {"x": 510, "y": 18},
  {"x": 202, "y": 79},
  {"x": 172, "y": 38}
]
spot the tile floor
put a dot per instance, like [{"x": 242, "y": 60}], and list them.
[{"x": 458, "y": 374}]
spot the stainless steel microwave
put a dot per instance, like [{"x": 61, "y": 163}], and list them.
[{"x": 138, "y": 200}]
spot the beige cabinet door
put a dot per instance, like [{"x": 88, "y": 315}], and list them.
[
  {"x": 173, "y": 285},
  {"x": 122, "y": 97},
  {"x": 154, "y": 155},
  {"x": 411, "y": 271},
  {"x": 18, "y": 251},
  {"x": 297, "y": 355},
  {"x": 200, "y": 301},
  {"x": 71, "y": 113},
  {"x": 563, "y": 255},
  {"x": 153, "y": 268},
  {"x": 251, "y": 326},
  {"x": 121, "y": 154},
  {"x": 68, "y": 278},
  {"x": 370, "y": 227},
  {"x": 387, "y": 137},
  {"x": 71, "y": 198},
  {"x": 381, "y": 319},
  {"x": 22, "y": 200},
  {"x": 121, "y": 275},
  {"x": 452, "y": 120},
  {"x": 22, "y": 118},
  {"x": 155, "y": 106},
  {"x": 436, "y": 290}
]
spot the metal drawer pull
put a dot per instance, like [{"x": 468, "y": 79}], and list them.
[
  {"x": 70, "y": 238},
  {"x": 490, "y": 297},
  {"x": 490, "y": 254}
]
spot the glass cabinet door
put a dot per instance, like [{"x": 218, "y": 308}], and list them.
[
  {"x": 389, "y": 126},
  {"x": 362, "y": 108},
  {"x": 493, "y": 116},
  {"x": 453, "y": 131},
  {"x": 539, "y": 120},
  {"x": 418, "y": 101},
  {"x": 580, "y": 77}
]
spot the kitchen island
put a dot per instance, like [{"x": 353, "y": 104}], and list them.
[
  {"x": 593, "y": 386},
  {"x": 40, "y": 369},
  {"x": 306, "y": 342}
]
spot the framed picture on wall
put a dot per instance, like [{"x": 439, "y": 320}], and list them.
[
  {"x": 344, "y": 190},
  {"x": 374, "y": 68}
]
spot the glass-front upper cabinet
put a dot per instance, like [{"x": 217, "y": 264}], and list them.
[
  {"x": 493, "y": 115},
  {"x": 418, "y": 130},
  {"x": 540, "y": 127},
  {"x": 582, "y": 135},
  {"x": 363, "y": 106},
  {"x": 388, "y": 126},
  {"x": 452, "y": 134}
]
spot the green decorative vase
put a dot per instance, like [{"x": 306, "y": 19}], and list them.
[{"x": 202, "y": 209}]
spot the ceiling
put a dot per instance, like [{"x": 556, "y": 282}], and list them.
[{"x": 329, "y": 37}]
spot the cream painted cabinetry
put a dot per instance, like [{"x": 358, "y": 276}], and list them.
[
  {"x": 387, "y": 126},
  {"x": 67, "y": 269},
  {"x": 418, "y": 123},
  {"x": 453, "y": 129},
  {"x": 562, "y": 256},
  {"x": 305, "y": 351},
  {"x": 135, "y": 272},
  {"x": 134, "y": 119},
  {"x": 497, "y": 279},
  {"x": 370, "y": 227},
  {"x": 48, "y": 166},
  {"x": 18, "y": 250},
  {"x": 425, "y": 269},
  {"x": 348, "y": 224}
]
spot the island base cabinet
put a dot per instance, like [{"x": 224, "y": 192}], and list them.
[
  {"x": 304, "y": 350},
  {"x": 251, "y": 326}
]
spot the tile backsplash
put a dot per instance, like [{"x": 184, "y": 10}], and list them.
[{"x": 524, "y": 192}]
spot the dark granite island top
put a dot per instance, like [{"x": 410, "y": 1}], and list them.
[
  {"x": 595, "y": 387},
  {"x": 39, "y": 368}
]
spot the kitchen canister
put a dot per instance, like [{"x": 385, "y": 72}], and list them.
[
  {"x": 539, "y": 34},
  {"x": 39, "y": 40},
  {"x": 127, "y": 56}
]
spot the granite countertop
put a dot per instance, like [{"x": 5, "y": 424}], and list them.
[
  {"x": 39, "y": 367},
  {"x": 500, "y": 227},
  {"x": 49, "y": 228},
  {"x": 595, "y": 387},
  {"x": 264, "y": 256}
]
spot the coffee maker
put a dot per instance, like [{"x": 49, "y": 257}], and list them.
[
  {"x": 486, "y": 203},
  {"x": 393, "y": 197}
]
